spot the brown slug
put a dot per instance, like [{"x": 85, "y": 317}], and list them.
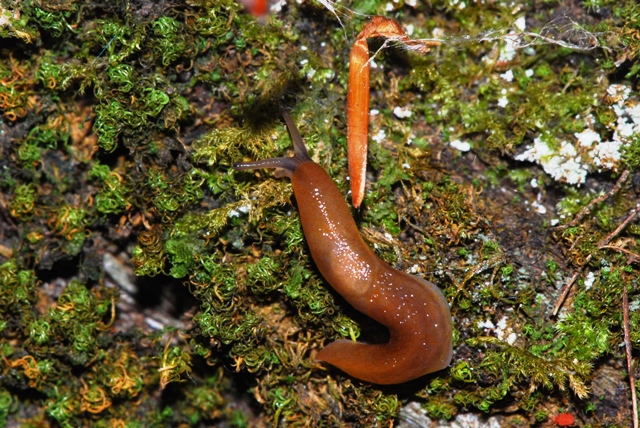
[{"x": 415, "y": 311}]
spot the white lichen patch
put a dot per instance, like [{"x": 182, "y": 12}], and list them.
[
  {"x": 463, "y": 146},
  {"x": 589, "y": 280},
  {"x": 379, "y": 136},
  {"x": 539, "y": 208},
  {"x": 277, "y": 6},
  {"x": 606, "y": 155},
  {"x": 438, "y": 33},
  {"x": 241, "y": 209},
  {"x": 410, "y": 28},
  {"x": 8, "y": 16},
  {"x": 560, "y": 163},
  {"x": 402, "y": 112},
  {"x": 521, "y": 23},
  {"x": 618, "y": 93},
  {"x": 592, "y": 150},
  {"x": 507, "y": 75},
  {"x": 504, "y": 332},
  {"x": 486, "y": 325},
  {"x": 459, "y": 4},
  {"x": 500, "y": 329},
  {"x": 508, "y": 50},
  {"x": 587, "y": 137}
]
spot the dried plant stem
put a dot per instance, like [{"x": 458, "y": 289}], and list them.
[
  {"x": 607, "y": 240},
  {"x": 586, "y": 210},
  {"x": 603, "y": 243},
  {"x": 627, "y": 344},
  {"x": 565, "y": 291},
  {"x": 358, "y": 117},
  {"x": 358, "y": 94},
  {"x": 634, "y": 256}
]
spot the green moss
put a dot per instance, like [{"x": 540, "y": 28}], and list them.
[
  {"x": 23, "y": 201},
  {"x": 8, "y": 404},
  {"x": 123, "y": 131},
  {"x": 169, "y": 44},
  {"x": 114, "y": 196},
  {"x": 631, "y": 153},
  {"x": 462, "y": 372},
  {"x": 539, "y": 371},
  {"x": 175, "y": 364},
  {"x": 62, "y": 410},
  {"x": 208, "y": 405},
  {"x": 122, "y": 76},
  {"x": 17, "y": 287},
  {"x": 182, "y": 253},
  {"x": 148, "y": 258},
  {"x": 40, "y": 332},
  {"x": 440, "y": 409},
  {"x": 69, "y": 223}
]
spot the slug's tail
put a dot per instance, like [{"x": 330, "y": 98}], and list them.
[
  {"x": 284, "y": 166},
  {"x": 387, "y": 364}
]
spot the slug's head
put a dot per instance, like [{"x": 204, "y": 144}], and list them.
[{"x": 284, "y": 166}]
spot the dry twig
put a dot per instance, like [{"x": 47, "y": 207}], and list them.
[
  {"x": 627, "y": 345},
  {"x": 603, "y": 243},
  {"x": 586, "y": 210}
]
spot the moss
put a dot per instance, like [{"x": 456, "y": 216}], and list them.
[
  {"x": 18, "y": 286},
  {"x": 122, "y": 124},
  {"x": 23, "y": 201},
  {"x": 114, "y": 197}
]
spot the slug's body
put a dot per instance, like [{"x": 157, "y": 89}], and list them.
[{"x": 415, "y": 311}]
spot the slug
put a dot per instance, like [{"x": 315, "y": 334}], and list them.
[{"x": 415, "y": 311}]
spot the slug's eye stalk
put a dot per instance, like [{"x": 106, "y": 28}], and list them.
[{"x": 285, "y": 166}]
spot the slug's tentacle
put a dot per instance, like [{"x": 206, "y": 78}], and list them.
[
  {"x": 299, "y": 149},
  {"x": 415, "y": 311},
  {"x": 286, "y": 166}
]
